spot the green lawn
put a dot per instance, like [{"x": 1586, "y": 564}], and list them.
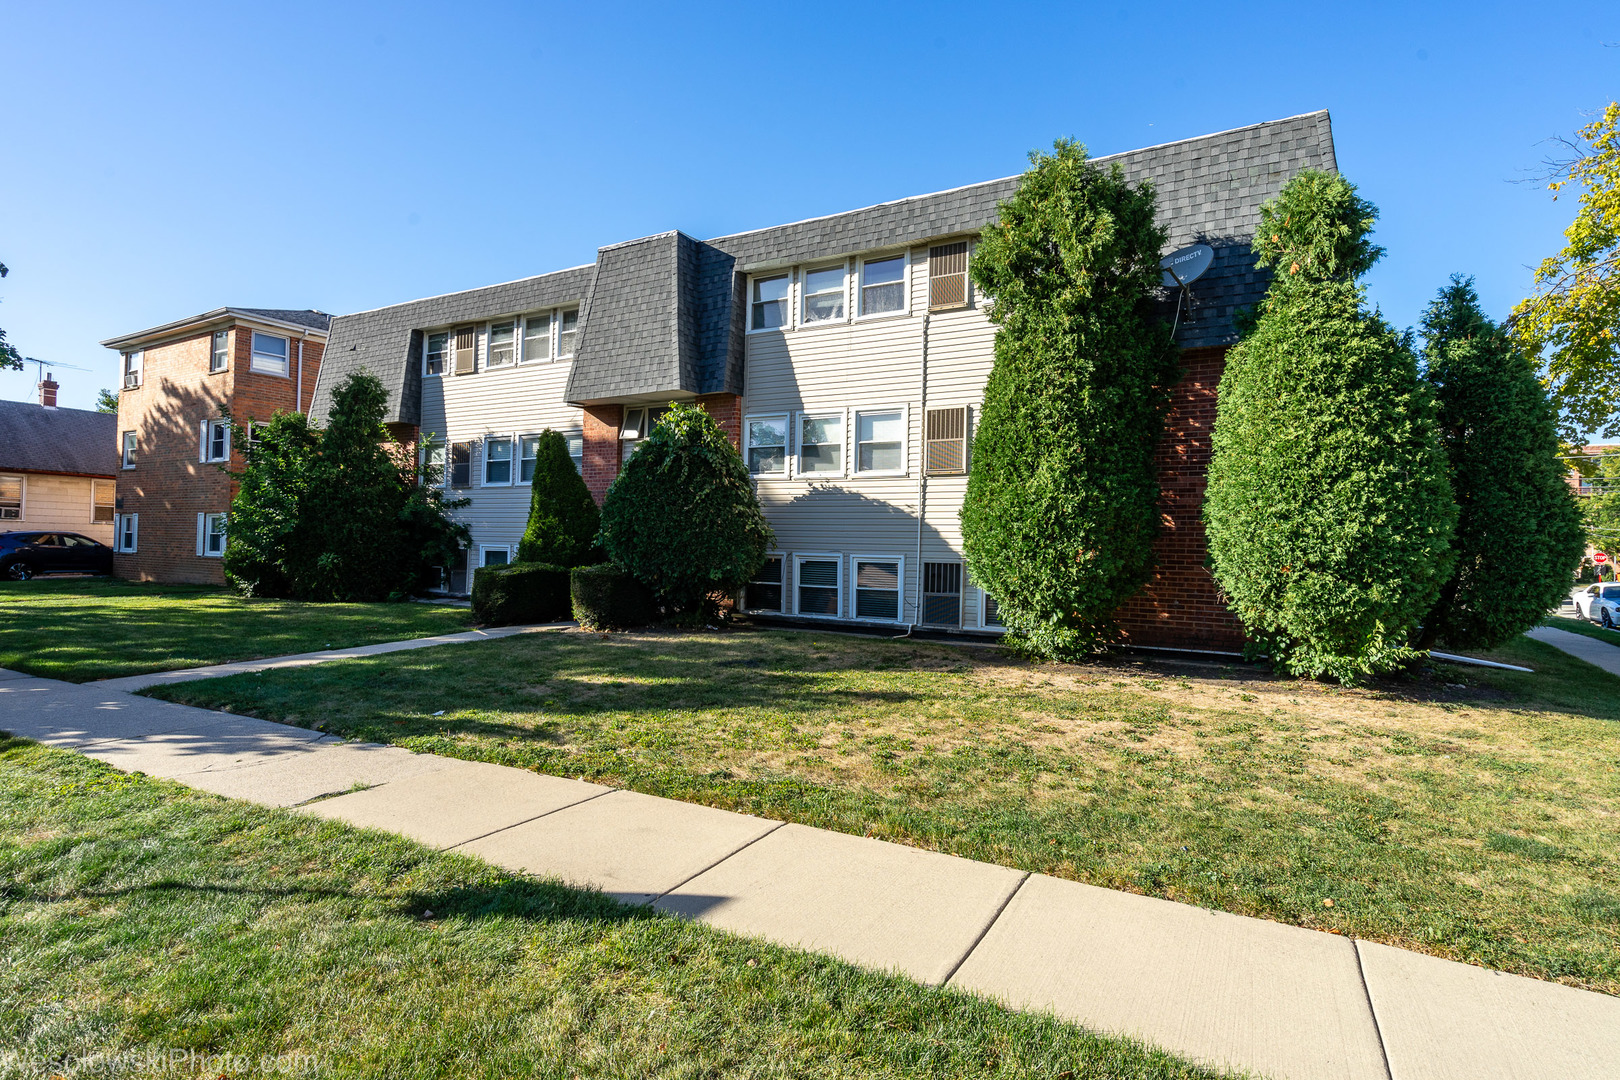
[
  {"x": 140, "y": 918},
  {"x": 78, "y": 630},
  {"x": 1469, "y": 813},
  {"x": 1586, "y": 629}
]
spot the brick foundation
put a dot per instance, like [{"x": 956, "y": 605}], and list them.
[{"x": 601, "y": 461}]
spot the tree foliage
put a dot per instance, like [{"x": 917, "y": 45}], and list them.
[
  {"x": 339, "y": 514},
  {"x": 1519, "y": 535},
  {"x": 1601, "y": 511},
  {"x": 1572, "y": 322},
  {"x": 9, "y": 356},
  {"x": 1328, "y": 510},
  {"x": 563, "y": 518},
  {"x": 1061, "y": 505},
  {"x": 683, "y": 518},
  {"x": 107, "y": 401}
]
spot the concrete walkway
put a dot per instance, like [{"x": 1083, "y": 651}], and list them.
[
  {"x": 1229, "y": 991},
  {"x": 1591, "y": 650}
]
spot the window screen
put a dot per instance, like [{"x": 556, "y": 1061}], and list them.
[{"x": 461, "y": 464}]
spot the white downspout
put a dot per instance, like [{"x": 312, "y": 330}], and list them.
[
  {"x": 922, "y": 470},
  {"x": 300, "y": 391}
]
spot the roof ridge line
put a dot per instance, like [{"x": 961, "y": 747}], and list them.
[{"x": 458, "y": 292}]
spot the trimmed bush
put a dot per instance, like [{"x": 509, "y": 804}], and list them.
[
  {"x": 1328, "y": 510},
  {"x": 1062, "y": 498},
  {"x": 607, "y": 598},
  {"x": 683, "y": 518},
  {"x": 1519, "y": 535},
  {"x": 563, "y": 518},
  {"x": 520, "y": 593}
]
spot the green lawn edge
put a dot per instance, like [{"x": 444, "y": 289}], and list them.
[{"x": 1583, "y": 628}]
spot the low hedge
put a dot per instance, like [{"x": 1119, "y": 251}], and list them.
[
  {"x": 607, "y": 598},
  {"x": 518, "y": 593}
]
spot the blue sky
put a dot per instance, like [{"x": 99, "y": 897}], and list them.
[{"x": 157, "y": 161}]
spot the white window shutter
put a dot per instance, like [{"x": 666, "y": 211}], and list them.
[
  {"x": 200, "y": 533},
  {"x": 134, "y": 532}
]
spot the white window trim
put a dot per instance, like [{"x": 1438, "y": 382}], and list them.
[
  {"x": 202, "y": 536},
  {"x": 787, "y": 561},
  {"x": 557, "y": 333},
  {"x": 834, "y": 557},
  {"x": 787, "y": 445},
  {"x": 483, "y": 468},
  {"x": 213, "y": 352},
  {"x": 579, "y": 462},
  {"x": 485, "y": 333},
  {"x": 854, "y": 468},
  {"x": 979, "y": 617},
  {"x": 134, "y": 364},
  {"x": 900, "y": 593},
  {"x": 801, "y": 277},
  {"x": 517, "y": 457},
  {"x": 799, "y": 418},
  {"x": 905, "y": 285},
  {"x": 551, "y": 337},
  {"x": 253, "y": 355},
  {"x": 126, "y": 452},
  {"x": 134, "y": 523},
  {"x": 22, "y": 500},
  {"x": 203, "y": 454},
  {"x": 792, "y": 275},
  {"x": 93, "y": 485},
  {"x": 483, "y": 549},
  {"x": 446, "y": 361}
]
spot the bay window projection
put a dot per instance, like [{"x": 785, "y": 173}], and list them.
[
  {"x": 821, "y": 445},
  {"x": 767, "y": 445},
  {"x": 883, "y": 286},
  {"x": 823, "y": 295},
  {"x": 817, "y": 579},
  {"x": 765, "y": 591},
  {"x": 497, "y": 461},
  {"x": 502, "y": 344},
  {"x": 433, "y": 353},
  {"x": 770, "y": 303},
  {"x": 877, "y": 589},
  {"x": 269, "y": 354},
  {"x": 879, "y": 439},
  {"x": 536, "y": 338}
]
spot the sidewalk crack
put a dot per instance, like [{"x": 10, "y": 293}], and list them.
[
  {"x": 974, "y": 944},
  {"x": 1378, "y": 1029}
]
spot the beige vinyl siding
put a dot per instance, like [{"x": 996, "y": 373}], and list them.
[
  {"x": 517, "y": 400},
  {"x": 58, "y": 502}
]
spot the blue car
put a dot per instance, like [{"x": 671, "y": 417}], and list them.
[{"x": 27, "y": 554}]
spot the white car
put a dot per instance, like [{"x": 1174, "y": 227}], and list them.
[{"x": 1598, "y": 603}]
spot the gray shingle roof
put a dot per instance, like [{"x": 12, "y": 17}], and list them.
[
  {"x": 665, "y": 313},
  {"x": 315, "y": 320},
  {"x": 74, "y": 441}
]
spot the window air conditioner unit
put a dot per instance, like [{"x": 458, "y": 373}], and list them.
[{"x": 132, "y": 380}]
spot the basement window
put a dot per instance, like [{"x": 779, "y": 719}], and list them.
[
  {"x": 765, "y": 591},
  {"x": 877, "y": 589}
]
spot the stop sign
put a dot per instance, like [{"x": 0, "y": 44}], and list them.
[{"x": 1600, "y": 558}]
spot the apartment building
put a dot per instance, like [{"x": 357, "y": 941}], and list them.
[
  {"x": 846, "y": 356},
  {"x": 56, "y": 467},
  {"x": 182, "y": 381}
]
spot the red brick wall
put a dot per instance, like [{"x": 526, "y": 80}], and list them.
[
  {"x": 169, "y": 487},
  {"x": 727, "y": 412},
  {"x": 1180, "y": 606},
  {"x": 601, "y": 461}
]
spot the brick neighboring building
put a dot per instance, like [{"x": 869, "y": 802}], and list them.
[{"x": 173, "y": 444}]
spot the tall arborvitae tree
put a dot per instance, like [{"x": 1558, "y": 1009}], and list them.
[
  {"x": 1061, "y": 506},
  {"x": 563, "y": 517},
  {"x": 1519, "y": 536},
  {"x": 1328, "y": 510}
]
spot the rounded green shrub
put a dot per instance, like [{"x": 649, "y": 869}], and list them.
[
  {"x": 1062, "y": 496},
  {"x": 1519, "y": 535},
  {"x": 521, "y": 593},
  {"x": 607, "y": 598},
  {"x": 1328, "y": 510},
  {"x": 563, "y": 518},
  {"x": 682, "y": 517}
]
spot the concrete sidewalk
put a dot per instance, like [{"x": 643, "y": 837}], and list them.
[
  {"x": 1222, "y": 989},
  {"x": 1591, "y": 650}
]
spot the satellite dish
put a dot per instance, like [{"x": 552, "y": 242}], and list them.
[{"x": 1187, "y": 265}]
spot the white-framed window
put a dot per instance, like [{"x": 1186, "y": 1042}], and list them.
[
  {"x": 430, "y": 454},
  {"x": 989, "y": 612},
  {"x": 765, "y": 592},
  {"x": 825, "y": 295},
  {"x": 942, "y": 594},
  {"x": 211, "y": 535},
  {"x": 127, "y": 533},
  {"x": 880, "y": 442},
  {"x": 460, "y": 472},
  {"x": 567, "y": 331},
  {"x": 817, "y": 584},
  {"x": 269, "y": 354},
  {"x": 220, "y": 358},
  {"x": 767, "y": 445},
  {"x": 497, "y": 460},
  {"x": 637, "y": 425},
  {"x": 255, "y": 434},
  {"x": 11, "y": 498},
  {"x": 133, "y": 364},
  {"x": 879, "y": 588},
  {"x": 434, "y": 351},
  {"x": 576, "y": 451},
  {"x": 768, "y": 309},
  {"x": 821, "y": 444},
  {"x": 500, "y": 344},
  {"x": 103, "y": 501},
  {"x": 528, "y": 450},
  {"x": 883, "y": 285},
  {"x": 127, "y": 450},
  {"x": 494, "y": 555},
  {"x": 536, "y": 338},
  {"x": 216, "y": 441}
]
